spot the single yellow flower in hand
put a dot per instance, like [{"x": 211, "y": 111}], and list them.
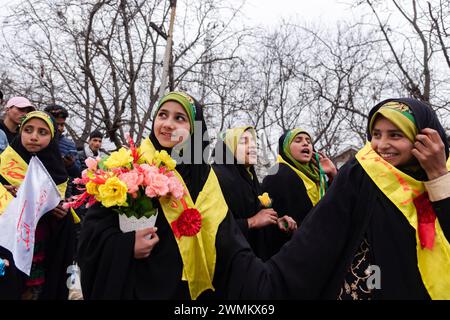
[{"x": 265, "y": 200}]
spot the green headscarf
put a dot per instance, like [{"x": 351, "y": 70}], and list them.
[
  {"x": 186, "y": 102},
  {"x": 309, "y": 169},
  {"x": 316, "y": 174},
  {"x": 400, "y": 115}
]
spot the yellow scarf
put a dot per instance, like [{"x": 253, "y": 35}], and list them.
[
  {"x": 401, "y": 189},
  {"x": 13, "y": 168},
  {"x": 199, "y": 251},
  {"x": 448, "y": 163},
  {"x": 312, "y": 188},
  {"x": 233, "y": 135}
]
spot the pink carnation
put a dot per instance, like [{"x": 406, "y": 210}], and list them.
[
  {"x": 158, "y": 186},
  {"x": 91, "y": 164},
  {"x": 149, "y": 172},
  {"x": 169, "y": 174},
  {"x": 133, "y": 179},
  {"x": 176, "y": 187}
]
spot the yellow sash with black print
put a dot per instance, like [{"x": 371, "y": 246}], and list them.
[
  {"x": 198, "y": 252},
  {"x": 312, "y": 188},
  {"x": 401, "y": 189},
  {"x": 13, "y": 168}
]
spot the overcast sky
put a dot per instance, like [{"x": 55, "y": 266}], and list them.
[{"x": 270, "y": 12}]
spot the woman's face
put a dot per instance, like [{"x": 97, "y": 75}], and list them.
[
  {"x": 390, "y": 143},
  {"x": 171, "y": 125},
  {"x": 36, "y": 135},
  {"x": 246, "y": 149},
  {"x": 302, "y": 148}
]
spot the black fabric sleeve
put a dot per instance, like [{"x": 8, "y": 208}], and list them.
[
  {"x": 243, "y": 225},
  {"x": 309, "y": 266},
  {"x": 442, "y": 209},
  {"x": 105, "y": 255},
  {"x": 239, "y": 273},
  {"x": 313, "y": 263}
]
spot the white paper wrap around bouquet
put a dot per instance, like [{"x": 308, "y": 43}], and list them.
[{"x": 132, "y": 223}]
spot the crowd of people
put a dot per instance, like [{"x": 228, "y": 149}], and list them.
[{"x": 379, "y": 228}]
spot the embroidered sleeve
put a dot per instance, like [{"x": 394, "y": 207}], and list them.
[{"x": 439, "y": 188}]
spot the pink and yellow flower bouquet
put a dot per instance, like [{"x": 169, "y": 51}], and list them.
[{"x": 128, "y": 185}]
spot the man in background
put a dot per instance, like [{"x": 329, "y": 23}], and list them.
[
  {"x": 66, "y": 146},
  {"x": 16, "y": 108},
  {"x": 92, "y": 148}
]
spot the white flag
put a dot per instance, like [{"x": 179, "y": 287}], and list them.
[{"x": 37, "y": 195}]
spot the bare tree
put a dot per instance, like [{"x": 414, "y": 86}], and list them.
[
  {"x": 414, "y": 43},
  {"x": 101, "y": 59}
]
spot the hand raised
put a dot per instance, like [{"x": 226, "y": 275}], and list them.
[{"x": 429, "y": 150}]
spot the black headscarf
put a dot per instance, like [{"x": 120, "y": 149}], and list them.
[
  {"x": 424, "y": 117},
  {"x": 49, "y": 156},
  {"x": 281, "y": 151},
  {"x": 194, "y": 169}
]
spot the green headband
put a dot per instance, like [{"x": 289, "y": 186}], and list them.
[
  {"x": 186, "y": 102},
  {"x": 40, "y": 115},
  {"x": 400, "y": 115}
]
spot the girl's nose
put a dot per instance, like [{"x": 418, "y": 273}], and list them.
[{"x": 384, "y": 143}]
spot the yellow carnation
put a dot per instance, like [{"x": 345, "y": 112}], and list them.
[
  {"x": 92, "y": 188},
  {"x": 265, "y": 200},
  {"x": 165, "y": 158},
  {"x": 121, "y": 158},
  {"x": 113, "y": 193}
]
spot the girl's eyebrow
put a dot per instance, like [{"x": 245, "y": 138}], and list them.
[{"x": 390, "y": 131}]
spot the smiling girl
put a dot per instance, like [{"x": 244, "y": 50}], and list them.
[{"x": 180, "y": 260}]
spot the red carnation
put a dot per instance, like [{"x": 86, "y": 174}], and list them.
[
  {"x": 188, "y": 223},
  {"x": 426, "y": 218}
]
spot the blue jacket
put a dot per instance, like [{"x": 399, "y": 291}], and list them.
[
  {"x": 3, "y": 140},
  {"x": 67, "y": 147}
]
